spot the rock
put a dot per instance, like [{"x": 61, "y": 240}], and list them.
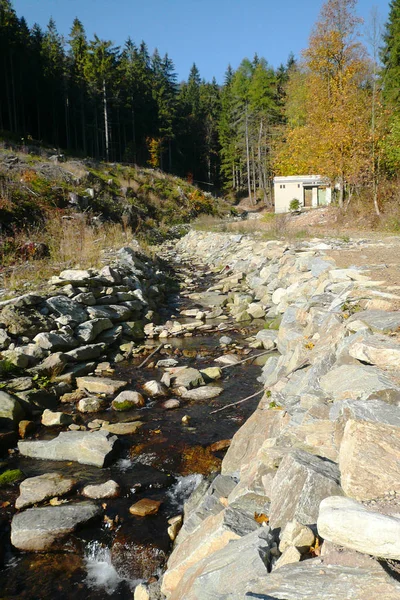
[
  {"x": 85, "y": 353},
  {"x": 211, "y": 299},
  {"x": 175, "y": 524},
  {"x": 40, "y": 398},
  {"x": 347, "y": 523},
  {"x": 154, "y": 389},
  {"x": 26, "y": 428},
  {"x": 90, "y": 404},
  {"x": 369, "y": 459},
  {"x": 225, "y": 340},
  {"x": 114, "y": 312},
  {"x": 64, "y": 306},
  {"x": 246, "y": 442},
  {"x": 171, "y": 404},
  {"x": 100, "y": 385},
  {"x": 55, "y": 341},
  {"x": 228, "y": 359},
  {"x": 359, "y": 382},
  {"x": 301, "y": 482},
  {"x": 141, "y": 592},
  {"x": 376, "y": 350},
  {"x": 268, "y": 338},
  {"x": 145, "y": 507},
  {"x": 298, "y": 535},
  {"x": 187, "y": 377},
  {"x": 214, "y": 534},
  {"x": 108, "y": 489},
  {"x": 50, "y": 418},
  {"x": 211, "y": 373},
  {"x": 380, "y": 321},
  {"x": 19, "y": 384},
  {"x": 24, "y": 322},
  {"x": 87, "y": 448},
  {"x": 76, "y": 276},
  {"x": 88, "y": 331},
  {"x": 256, "y": 310},
  {"x": 86, "y": 298},
  {"x": 166, "y": 363},
  {"x": 203, "y": 393},
  {"x": 52, "y": 366},
  {"x": 122, "y": 428},
  {"x": 290, "y": 555},
  {"x": 10, "y": 408},
  {"x": 127, "y": 400},
  {"x": 36, "y": 529},
  {"x": 136, "y": 556},
  {"x": 110, "y": 336},
  {"x": 16, "y": 357},
  {"x": 5, "y": 339},
  {"x": 228, "y": 570},
  {"x": 319, "y": 579},
  {"x": 43, "y": 487}
]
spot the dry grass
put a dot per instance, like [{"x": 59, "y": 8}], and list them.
[{"x": 72, "y": 243}]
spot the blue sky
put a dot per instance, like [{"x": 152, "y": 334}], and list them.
[{"x": 211, "y": 33}]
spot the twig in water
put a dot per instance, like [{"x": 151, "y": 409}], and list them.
[
  {"x": 247, "y": 358},
  {"x": 150, "y": 355},
  {"x": 236, "y": 403}
]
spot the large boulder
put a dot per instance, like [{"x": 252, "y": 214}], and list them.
[
  {"x": 348, "y": 523},
  {"x": 37, "y": 529},
  {"x": 376, "y": 350},
  {"x": 369, "y": 459},
  {"x": 262, "y": 424},
  {"x": 301, "y": 482},
  {"x": 214, "y": 534},
  {"x": 359, "y": 382},
  {"x": 85, "y": 447},
  {"x": 317, "y": 578},
  {"x": 223, "y": 572}
]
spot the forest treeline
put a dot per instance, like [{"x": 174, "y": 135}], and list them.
[{"x": 334, "y": 111}]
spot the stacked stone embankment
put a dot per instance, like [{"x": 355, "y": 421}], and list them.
[{"x": 308, "y": 501}]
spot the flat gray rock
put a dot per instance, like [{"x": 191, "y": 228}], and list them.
[
  {"x": 87, "y": 331},
  {"x": 313, "y": 579},
  {"x": 84, "y": 353},
  {"x": 202, "y": 393},
  {"x": 36, "y": 529},
  {"x": 100, "y": 385},
  {"x": 43, "y": 487},
  {"x": 64, "y": 306},
  {"x": 87, "y": 448},
  {"x": 187, "y": 377},
  {"x": 381, "y": 321},
  {"x": 352, "y": 382}
]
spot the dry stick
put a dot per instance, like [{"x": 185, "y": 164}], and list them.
[
  {"x": 150, "y": 355},
  {"x": 236, "y": 403},
  {"x": 246, "y": 359}
]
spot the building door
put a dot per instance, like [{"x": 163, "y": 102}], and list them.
[
  {"x": 308, "y": 196},
  {"x": 322, "y": 196}
]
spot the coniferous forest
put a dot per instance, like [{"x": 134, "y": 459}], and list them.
[{"x": 333, "y": 111}]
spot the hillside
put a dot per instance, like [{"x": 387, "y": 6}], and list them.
[{"x": 57, "y": 209}]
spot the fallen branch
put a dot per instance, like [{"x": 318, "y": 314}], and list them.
[
  {"x": 248, "y": 358},
  {"x": 150, "y": 355},
  {"x": 236, "y": 403}
]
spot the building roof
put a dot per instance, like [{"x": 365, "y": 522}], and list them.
[{"x": 305, "y": 179}]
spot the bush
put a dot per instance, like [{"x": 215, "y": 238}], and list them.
[{"x": 294, "y": 205}]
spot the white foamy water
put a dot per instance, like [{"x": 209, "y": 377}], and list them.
[
  {"x": 100, "y": 571},
  {"x": 181, "y": 490}
]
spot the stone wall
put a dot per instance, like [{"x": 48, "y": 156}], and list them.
[{"x": 308, "y": 498}]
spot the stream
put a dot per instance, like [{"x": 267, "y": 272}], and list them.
[{"x": 164, "y": 460}]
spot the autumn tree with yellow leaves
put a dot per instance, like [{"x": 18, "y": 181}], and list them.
[{"x": 329, "y": 104}]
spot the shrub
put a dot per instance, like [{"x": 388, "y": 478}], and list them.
[{"x": 294, "y": 205}]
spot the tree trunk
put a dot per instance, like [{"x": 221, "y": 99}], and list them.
[
  {"x": 106, "y": 134},
  {"x": 248, "y": 159}
]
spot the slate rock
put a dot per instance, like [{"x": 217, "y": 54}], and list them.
[
  {"x": 87, "y": 448},
  {"x": 301, "y": 482},
  {"x": 43, "y": 487},
  {"x": 36, "y": 529},
  {"x": 359, "y": 382},
  {"x": 100, "y": 385},
  {"x": 64, "y": 306},
  {"x": 369, "y": 459},
  {"x": 108, "y": 489},
  {"x": 88, "y": 331},
  {"x": 10, "y": 408}
]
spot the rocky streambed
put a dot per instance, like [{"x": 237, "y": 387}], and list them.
[
  {"x": 102, "y": 440},
  {"x": 291, "y": 491}
]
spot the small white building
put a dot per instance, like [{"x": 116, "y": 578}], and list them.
[{"x": 310, "y": 190}]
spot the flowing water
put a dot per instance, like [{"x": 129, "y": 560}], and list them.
[{"x": 164, "y": 460}]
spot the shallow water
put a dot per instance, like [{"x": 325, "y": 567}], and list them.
[{"x": 163, "y": 461}]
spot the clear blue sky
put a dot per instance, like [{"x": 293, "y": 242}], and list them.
[{"x": 211, "y": 33}]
